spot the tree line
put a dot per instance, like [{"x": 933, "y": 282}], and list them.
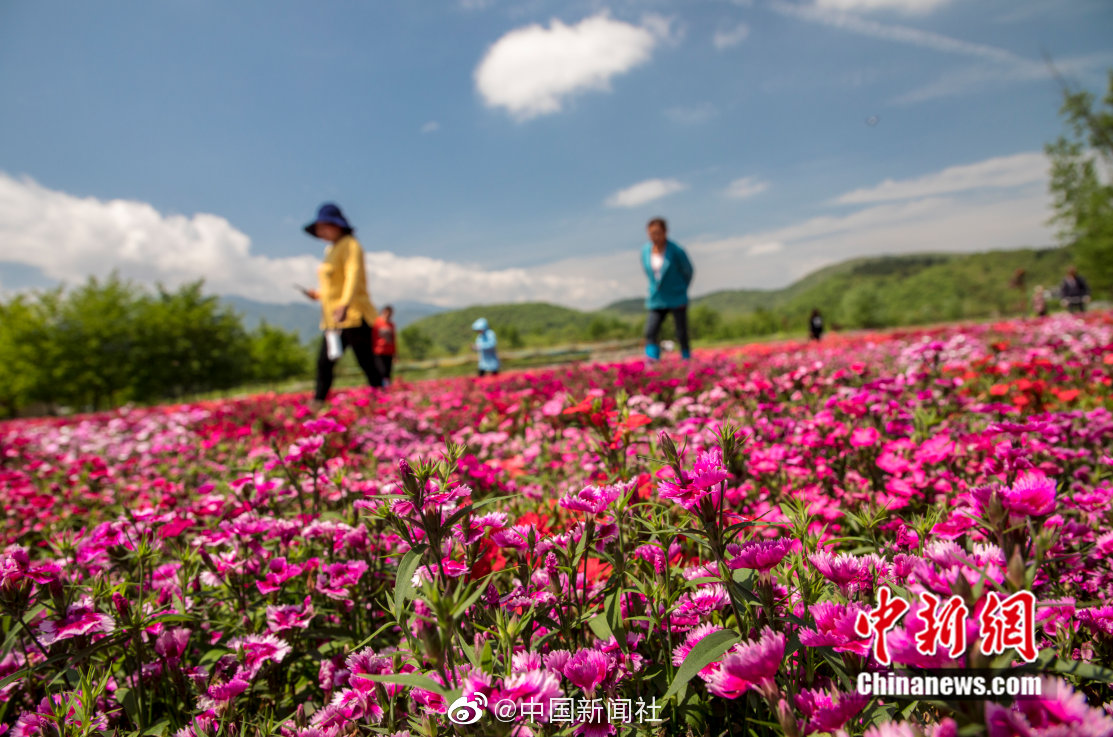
[{"x": 106, "y": 343}]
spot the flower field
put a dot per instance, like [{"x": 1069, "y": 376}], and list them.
[{"x": 701, "y": 548}]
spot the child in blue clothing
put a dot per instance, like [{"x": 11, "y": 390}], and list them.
[
  {"x": 485, "y": 345},
  {"x": 669, "y": 272}
]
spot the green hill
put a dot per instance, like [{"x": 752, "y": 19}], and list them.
[
  {"x": 517, "y": 326},
  {"x": 859, "y": 293}
]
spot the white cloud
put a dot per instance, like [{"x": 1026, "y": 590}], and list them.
[
  {"x": 969, "y": 220},
  {"x": 904, "y": 6},
  {"x": 726, "y": 38},
  {"x": 745, "y": 187},
  {"x": 645, "y": 192},
  {"x": 533, "y": 71},
  {"x": 894, "y": 33},
  {"x": 70, "y": 238},
  {"x": 1004, "y": 171},
  {"x": 980, "y": 76},
  {"x": 761, "y": 249},
  {"x": 431, "y": 127},
  {"x": 693, "y": 115}
]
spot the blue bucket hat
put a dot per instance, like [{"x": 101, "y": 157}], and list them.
[
  {"x": 479, "y": 325},
  {"x": 329, "y": 213}
]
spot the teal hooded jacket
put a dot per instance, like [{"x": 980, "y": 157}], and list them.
[{"x": 671, "y": 290}]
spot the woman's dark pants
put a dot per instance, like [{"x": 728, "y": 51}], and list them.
[{"x": 359, "y": 340}]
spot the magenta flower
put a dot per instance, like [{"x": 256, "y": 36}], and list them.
[
  {"x": 586, "y": 669},
  {"x": 333, "y": 580},
  {"x": 538, "y": 686},
  {"x": 593, "y": 499},
  {"x": 842, "y": 569},
  {"x": 834, "y": 627},
  {"x": 828, "y": 711},
  {"x": 288, "y": 617},
  {"x": 706, "y": 473},
  {"x": 222, "y": 692},
  {"x": 863, "y": 437},
  {"x": 278, "y": 572},
  {"x": 452, "y": 569},
  {"x": 680, "y": 652},
  {"x": 761, "y": 555},
  {"x": 749, "y": 664},
  {"x": 81, "y": 619},
  {"x": 515, "y": 537},
  {"x": 1032, "y": 494},
  {"x": 1058, "y": 711},
  {"x": 171, "y": 643},
  {"x": 258, "y": 650}
]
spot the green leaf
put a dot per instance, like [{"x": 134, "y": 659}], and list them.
[
  {"x": 1046, "y": 660},
  {"x": 413, "y": 680},
  {"x": 403, "y": 584},
  {"x": 704, "y": 653},
  {"x": 600, "y": 627}
]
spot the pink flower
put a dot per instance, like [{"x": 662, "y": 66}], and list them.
[
  {"x": 681, "y": 651},
  {"x": 834, "y": 627},
  {"x": 1058, "y": 711},
  {"x": 171, "y": 643},
  {"x": 864, "y": 436},
  {"x": 291, "y": 616},
  {"x": 515, "y": 537},
  {"x": 706, "y": 473},
  {"x": 538, "y": 686},
  {"x": 593, "y": 499},
  {"x": 452, "y": 569},
  {"x": 828, "y": 711},
  {"x": 750, "y": 664},
  {"x": 258, "y": 650},
  {"x": 586, "y": 669},
  {"x": 333, "y": 580},
  {"x": 1033, "y": 494},
  {"x": 230, "y": 690},
  {"x": 81, "y": 619},
  {"x": 842, "y": 569},
  {"x": 761, "y": 555}
]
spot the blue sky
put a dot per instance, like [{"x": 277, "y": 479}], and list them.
[{"x": 490, "y": 150}]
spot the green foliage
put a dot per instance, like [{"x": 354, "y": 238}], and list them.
[
  {"x": 414, "y": 343},
  {"x": 21, "y": 325},
  {"x": 105, "y": 343},
  {"x": 276, "y": 354},
  {"x": 525, "y": 325},
  {"x": 1083, "y": 201}
]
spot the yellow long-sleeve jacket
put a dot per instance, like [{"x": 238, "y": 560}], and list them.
[{"x": 342, "y": 280}]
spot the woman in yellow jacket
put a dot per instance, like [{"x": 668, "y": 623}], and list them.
[{"x": 345, "y": 303}]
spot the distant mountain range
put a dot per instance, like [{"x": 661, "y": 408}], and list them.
[
  {"x": 862, "y": 292},
  {"x": 304, "y": 318},
  {"x": 859, "y": 293}
]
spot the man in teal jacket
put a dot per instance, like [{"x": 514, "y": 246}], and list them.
[{"x": 669, "y": 272}]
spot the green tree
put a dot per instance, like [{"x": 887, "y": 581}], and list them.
[
  {"x": 414, "y": 342},
  {"x": 1083, "y": 201},
  {"x": 703, "y": 322},
  {"x": 276, "y": 354},
  {"x": 21, "y": 338},
  {"x": 89, "y": 361},
  {"x": 188, "y": 342},
  {"x": 512, "y": 337}
]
